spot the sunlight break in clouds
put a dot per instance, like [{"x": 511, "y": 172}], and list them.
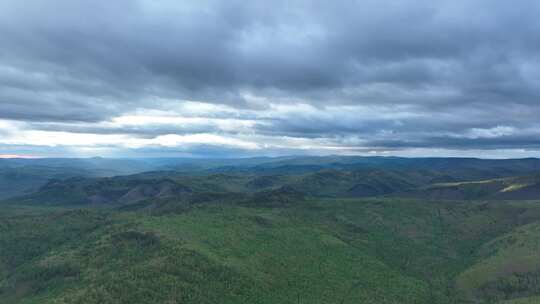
[{"x": 8, "y": 156}]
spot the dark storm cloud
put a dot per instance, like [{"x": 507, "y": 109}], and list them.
[{"x": 447, "y": 67}]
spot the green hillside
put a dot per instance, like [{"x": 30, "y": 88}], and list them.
[
  {"x": 509, "y": 266},
  {"x": 376, "y": 235},
  {"x": 306, "y": 251}
]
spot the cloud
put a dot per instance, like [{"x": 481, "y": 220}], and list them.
[{"x": 292, "y": 76}]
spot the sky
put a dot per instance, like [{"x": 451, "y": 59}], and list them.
[{"x": 148, "y": 78}]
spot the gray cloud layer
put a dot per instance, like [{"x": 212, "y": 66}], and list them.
[{"x": 403, "y": 74}]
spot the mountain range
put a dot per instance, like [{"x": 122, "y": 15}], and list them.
[{"x": 270, "y": 230}]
